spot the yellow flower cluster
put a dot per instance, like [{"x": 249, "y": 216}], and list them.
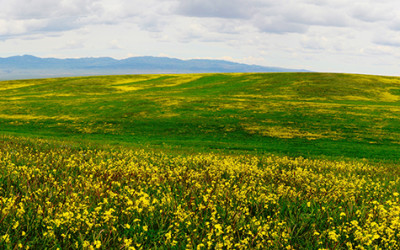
[{"x": 57, "y": 195}]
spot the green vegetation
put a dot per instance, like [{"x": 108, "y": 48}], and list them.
[
  {"x": 200, "y": 161},
  {"x": 296, "y": 114},
  {"x": 55, "y": 194}
]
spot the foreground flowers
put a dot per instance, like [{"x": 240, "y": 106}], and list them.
[{"x": 58, "y": 195}]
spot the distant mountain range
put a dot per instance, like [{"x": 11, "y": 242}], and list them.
[{"x": 27, "y": 66}]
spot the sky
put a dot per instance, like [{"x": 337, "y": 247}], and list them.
[{"x": 352, "y": 36}]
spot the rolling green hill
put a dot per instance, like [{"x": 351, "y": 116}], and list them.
[{"x": 297, "y": 114}]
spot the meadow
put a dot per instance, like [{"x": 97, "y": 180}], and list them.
[
  {"x": 58, "y": 195},
  {"x": 202, "y": 161},
  {"x": 296, "y": 114}
]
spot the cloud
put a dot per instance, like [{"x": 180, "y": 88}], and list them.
[
  {"x": 367, "y": 13},
  {"x": 115, "y": 44},
  {"x": 278, "y": 24},
  {"x": 378, "y": 51},
  {"x": 195, "y": 31},
  {"x": 384, "y": 12},
  {"x": 393, "y": 41},
  {"x": 268, "y": 16},
  {"x": 315, "y": 16},
  {"x": 14, "y": 27},
  {"x": 45, "y": 9},
  {"x": 298, "y": 17},
  {"x": 222, "y": 16},
  {"x": 313, "y": 43},
  {"x": 72, "y": 44},
  {"x": 218, "y": 8},
  {"x": 286, "y": 16},
  {"x": 395, "y": 25},
  {"x": 334, "y": 42},
  {"x": 153, "y": 22},
  {"x": 48, "y": 16},
  {"x": 43, "y": 16}
]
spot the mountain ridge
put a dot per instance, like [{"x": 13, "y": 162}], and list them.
[{"x": 28, "y": 66}]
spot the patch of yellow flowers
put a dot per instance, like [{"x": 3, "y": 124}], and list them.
[{"x": 56, "y": 195}]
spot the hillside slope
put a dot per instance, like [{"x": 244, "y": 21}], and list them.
[{"x": 307, "y": 114}]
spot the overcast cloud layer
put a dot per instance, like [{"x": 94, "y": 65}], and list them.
[{"x": 360, "y": 36}]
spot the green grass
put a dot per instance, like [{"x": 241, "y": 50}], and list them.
[
  {"x": 296, "y": 114},
  {"x": 200, "y": 161}
]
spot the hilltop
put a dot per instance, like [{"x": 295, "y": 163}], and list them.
[{"x": 298, "y": 114}]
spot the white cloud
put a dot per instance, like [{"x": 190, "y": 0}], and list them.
[
  {"x": 278, "y": 24},
  {"x": 314, "y": 43},
  {"x": 115, "y": 44},
  {"x": 365, "y": 12},
  {"x": 72, "y": 45},
  {"x": 388, "y": 39},
  {"x": 45, "y": 9},
  {"x": 218, "y": 8},
  {"x": 315, "y": 15},
  {"x": 395, "y": 24},
  {"x": 44, "y": 16}
]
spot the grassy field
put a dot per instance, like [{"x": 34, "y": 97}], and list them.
[
  {"x": 58, "y": 195},
  {"x": 201, "y": 161},
  {"x": 297, "y": 114}
]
